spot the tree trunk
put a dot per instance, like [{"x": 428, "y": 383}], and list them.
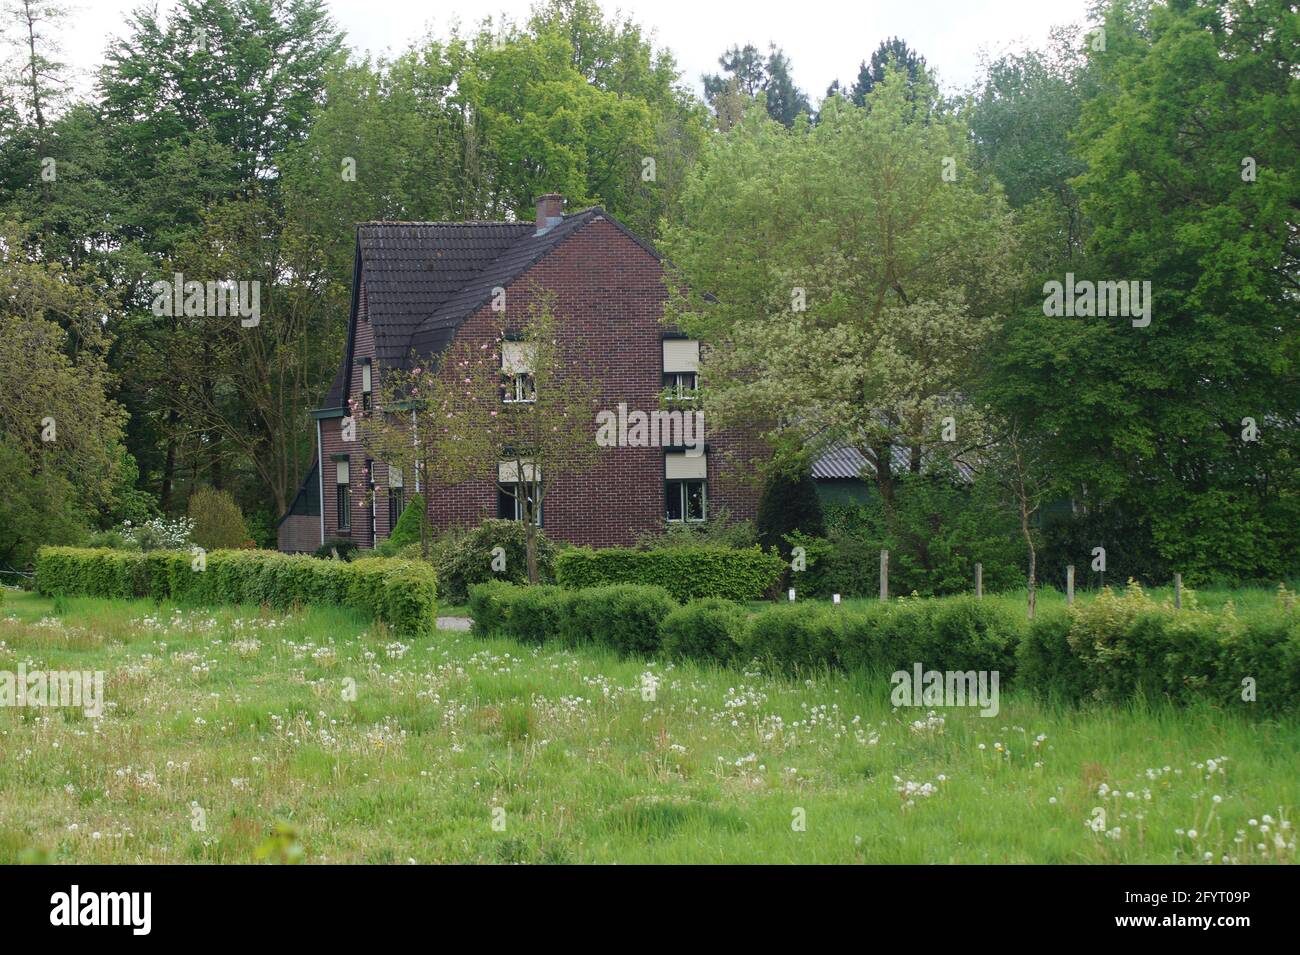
[
  {"x": 1033, "y": 560},
  {"x": 530, "y": 548}
]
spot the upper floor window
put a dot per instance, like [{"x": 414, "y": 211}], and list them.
[
  {"x": 681, "y": 367},
  {"x": 517, "y": 371},
  {"x": 365, "y": 384},
  {"x": 681, "y": 385}
]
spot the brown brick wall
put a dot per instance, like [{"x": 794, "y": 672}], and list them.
[{"x": 299, "y": 533}]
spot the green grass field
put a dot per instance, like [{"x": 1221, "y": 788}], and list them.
[{"x": 227, "y": 738}]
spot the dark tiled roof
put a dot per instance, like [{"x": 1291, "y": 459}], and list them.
[
  {"x": 436, "y": 331},
  {"x": 412, "y": 268},
  {"x": 424, "y": 279}
]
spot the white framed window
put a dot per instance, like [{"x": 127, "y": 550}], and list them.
[
  {"x": 517, "y": 370},
  {"x": 343, "y": 493},
  {"x": 686, "y": 487},
  {"x": 514, "y": 496},
  {"x": 519, "y": 388},
  {"x": 365, "y": 385},
  {"x": 681, "y": 385}
]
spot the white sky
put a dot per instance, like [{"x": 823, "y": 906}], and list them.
[{"x": 827, "y": 39}]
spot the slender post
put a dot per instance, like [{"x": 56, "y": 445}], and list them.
[
  {"x": 979, "y": 580},
  {"x": 1178, "y": 591},
  {"x": 1069, "y": 584},
  {"x": 884, "y": 575}
]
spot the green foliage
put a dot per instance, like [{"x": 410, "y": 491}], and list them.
[
  {"x": 409, "y": 525},
  {"x": 625, "y": 618},
  {"x": 1124, "y": 646},
  {"x": 464, "y": 557},
  {"x": 720, "y": 530},
  {"x": 708, "y": 630},
  {"x": 535, "y": 614},
  {"x": 400, "y": 593},
  {"x": 685, "y": 572},
  {"x": 936, "y": 531},
  {"x": 788, "y": 504},
  {"x": 339, "y": 548},
  {"x": 487, "y": 605},
  {"x": 1188, "y": 180},
  {"x": 629, "y": 615},
  {"x": 218, "y": 522},
  {"x": 797, "y": 637}
]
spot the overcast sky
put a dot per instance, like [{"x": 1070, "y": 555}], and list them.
[{"x": 825, "y": 40}]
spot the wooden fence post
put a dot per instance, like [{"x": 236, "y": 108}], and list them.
[
  {"x": 1069, "y": 584},
  {"x": 884, "y": 575},
  {"x": 1178, "y": 591},
  {"x": 979, "y": 580}
]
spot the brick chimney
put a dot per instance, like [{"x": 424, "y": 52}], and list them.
[{"x": 550, "y": 212}]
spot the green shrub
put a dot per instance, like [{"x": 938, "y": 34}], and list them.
[
  {"x": 217, "y": 519},
  {"x": 685, "y": 572},
  {"x": 535, "y": 614},
  {"x": 409, "y": 524},
  {"x": 338, "y": 548},
  {"x": 488, "y": 603},
  {"x": 403, "y": 594},
  {"x": 788, "y": 504},
  {"x": 709, "y": 630},
  {"x": 797, "y": 636},
  {"x": 464, "y": 557},
  {"x": 628, "y": 617},
  {"x": 1047, "y": 663}
]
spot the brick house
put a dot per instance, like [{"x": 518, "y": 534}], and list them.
[{"x": 418, "y": 287}]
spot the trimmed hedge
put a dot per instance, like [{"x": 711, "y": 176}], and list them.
[
  {"x": 401, "y": 593},
  {"x": 685, "y": 572},
  {"x": 1112, "y": 649},
  {"x": 1121, "y": 647},
  {"x": 708, "y": 630},
  {"x": 624, "y": 617}
]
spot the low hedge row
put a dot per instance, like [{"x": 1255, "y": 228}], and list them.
[
  {"x": 958, "y": 634},
  {"x": 685, "y": 572},
  {"x": 1112, "y": 649},
  {"x": 401, "y": 593},
  {"x": 1121, "y": 646}
]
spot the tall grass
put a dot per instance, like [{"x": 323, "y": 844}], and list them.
[{"x": 233, "y": 736}]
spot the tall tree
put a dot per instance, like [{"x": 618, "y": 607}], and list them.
[
  {"x": 1187, "y": 421},
  {"x": 860, "y": 301},
  {"x": 747, "y": 74},
  {"x": 890, "y": 54}
]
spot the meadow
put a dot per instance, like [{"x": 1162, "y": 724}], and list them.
[{"x": 240, "y": 735}]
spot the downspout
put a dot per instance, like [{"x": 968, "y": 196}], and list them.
[{"x": 320, "y": 477}]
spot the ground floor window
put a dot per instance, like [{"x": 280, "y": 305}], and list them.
[
  {"x": 343, "y": 514},
  {"x": 396, "y": 496},
  {"x": 513, "y": 501},
  {"x": 685, "y": 499}
]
